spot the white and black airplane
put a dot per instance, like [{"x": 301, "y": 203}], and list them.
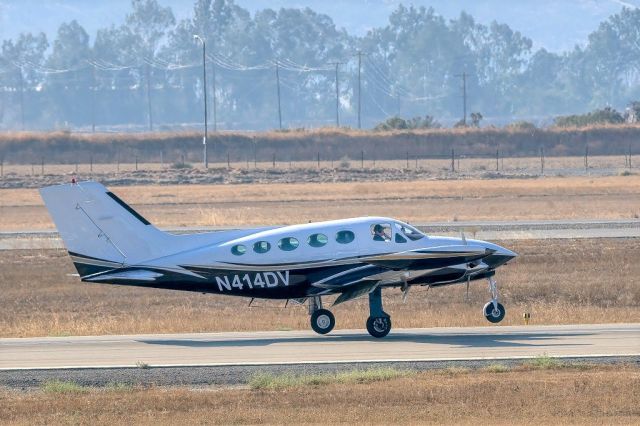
[{"x": 111, "y": 243}]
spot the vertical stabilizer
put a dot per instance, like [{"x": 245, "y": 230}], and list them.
[{"x": 98, "y": 226}]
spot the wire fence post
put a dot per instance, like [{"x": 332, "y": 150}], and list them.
[
  {"x": 318, "y": 160},
  {"x": 362, "y": 159},
  {"x": 497, "y": 160},
  {"x": 586, "y": 158},
  {"x": 76, "y": 165},
  {"x": 416, "y": 162},
  {"x": 161, "y": 159},
  {"x": 228, "y": 161},
  {"x": 542, "y": 160},
  {"x": 91, "y": 164},
  {"x": 629, "y": 156},
  {"x": 453, "y": 160},
  {"x": 136, "y": 163},
  {"x": 182, "y": 158},
  {"x": 1, "y": 167},
  {"x": 42, "y": 166},
  {"x": 274, "y": 159},
  {"x": 407, "y": 160}
]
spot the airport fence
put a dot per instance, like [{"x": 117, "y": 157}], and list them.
[{"x": 500, "y": 162}]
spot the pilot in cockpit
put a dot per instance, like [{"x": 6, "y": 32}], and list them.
[{"x": 379, "y": 233}]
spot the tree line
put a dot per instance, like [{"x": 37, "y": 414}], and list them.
[{"x": 147, "y": 72}]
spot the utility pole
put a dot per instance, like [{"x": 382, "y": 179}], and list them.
[
  {"x": 149, "y": 113},
  {"x": 278, "y": 87},
  {"x": 21, "y": 99},
  {"x": 93, "y": 99},
  {"x": 359, "y": 54},
  {"x": 215, "y": 109},
  {"x": 204, "y": 87},
  {"x": 464, "y": 76},
  {"x": 337, "y": 64}
]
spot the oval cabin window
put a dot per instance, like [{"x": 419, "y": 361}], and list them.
[
  {"x": 261, "y": 247},
  {"x": 317, "y": 240},
  {"x": 345, "y": 237},
  {"x": 288, "y": 244},
  {"x": 238, "y": 250}
]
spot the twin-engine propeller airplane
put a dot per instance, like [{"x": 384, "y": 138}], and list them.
[{"x": 111, "y": 243}]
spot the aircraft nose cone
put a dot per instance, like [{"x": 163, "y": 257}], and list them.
[
  {"x": 506, "y": 252},
  {"x": 499, "y": 257}
]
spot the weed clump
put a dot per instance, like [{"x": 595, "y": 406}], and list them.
[
  {"x": 60, "y": 386},
  {"x": 283, "y": 381}
]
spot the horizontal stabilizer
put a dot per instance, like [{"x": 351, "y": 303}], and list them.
[{"x": 129, "y": 275}]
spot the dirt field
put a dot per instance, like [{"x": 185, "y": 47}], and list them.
[
  {"x": 556, "y": 281},
  {"x": 596, "y": 395},
  {"x": 614, "y": 197}
]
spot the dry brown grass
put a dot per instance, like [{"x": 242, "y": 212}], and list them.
[
  {"x": 66, "y": 147},
  {"x": 420, "y": 201},
  {"x": 557, "y": 281},
  {"x": 602, "y": 395}
]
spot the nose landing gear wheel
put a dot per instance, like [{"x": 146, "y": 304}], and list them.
[
  {"x": 494, "y": 315},
  {"x": 322, "y": 321},
  {"x": 379, "y": 326}
]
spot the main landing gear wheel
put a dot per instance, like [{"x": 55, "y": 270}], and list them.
[
  {"x": 379, "y": 322},
  {"x": 494, "y": 314},
  {"x": 493, "y": 311},
  {"x": 322, "y": 321},
  {"x": 379, "y": 326}
]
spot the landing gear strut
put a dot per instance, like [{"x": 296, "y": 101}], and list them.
[
  {"x": 379, "y": 322},
  {"x": 493, "y": 311},
  {"x": 322, "y": 320}
]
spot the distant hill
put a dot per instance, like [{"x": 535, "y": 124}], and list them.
[{"x": 554, "y": 25}]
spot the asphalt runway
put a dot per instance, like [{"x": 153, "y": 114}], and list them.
[
  {"x": 487, "y": 230},
  {"x": 306, "y": 347}
]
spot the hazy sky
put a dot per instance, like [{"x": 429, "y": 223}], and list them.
[{"x": 554, "y": 24}]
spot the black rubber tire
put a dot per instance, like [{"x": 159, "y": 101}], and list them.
[
  {"x": 379, "y": 326},
  {"x": 322, "y": 321},
  {"x": 491, "y": 316}
]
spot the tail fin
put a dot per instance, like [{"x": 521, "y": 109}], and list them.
[{"x": 100, "y": 228}]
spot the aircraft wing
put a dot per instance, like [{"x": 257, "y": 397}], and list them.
[
  {"x": 394, "y": 267},
  {"x": 434, "y": 257}
]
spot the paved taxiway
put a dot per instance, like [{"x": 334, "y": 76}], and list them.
[{"x": 342, "y": 346}]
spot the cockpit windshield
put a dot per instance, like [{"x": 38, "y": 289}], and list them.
[{"x": 409, "y": 231}]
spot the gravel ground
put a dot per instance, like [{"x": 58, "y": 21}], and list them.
[
  {"x": 238, "y": 375},
  {"x": 270, "y": 175}
]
